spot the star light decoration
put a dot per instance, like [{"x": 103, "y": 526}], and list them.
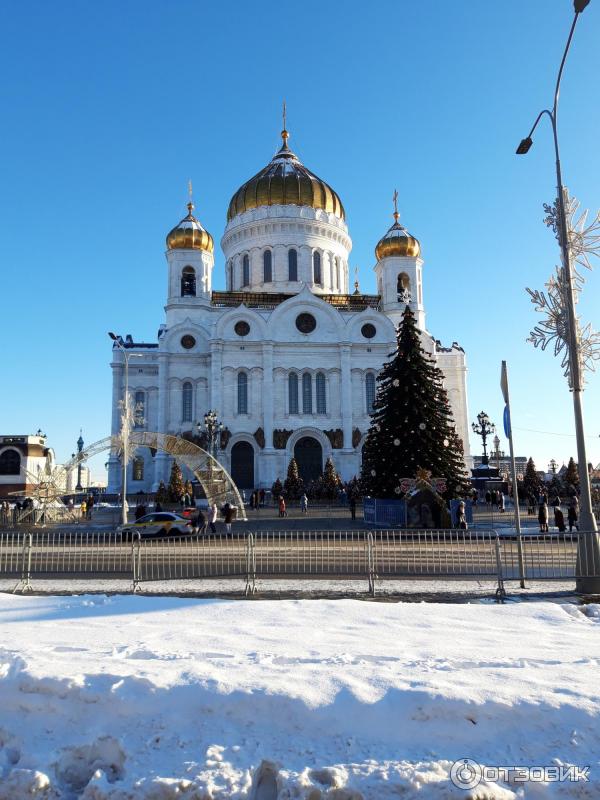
[{"x": 583, "y": 242}]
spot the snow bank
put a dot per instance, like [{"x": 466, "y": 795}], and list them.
[{"x": 127, "y": 698}]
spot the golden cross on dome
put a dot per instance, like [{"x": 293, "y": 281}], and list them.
[
  {"x": 284, "y": 134},
  {"x": 190, "y": 204},
  {"x": 395, "y": 199}
]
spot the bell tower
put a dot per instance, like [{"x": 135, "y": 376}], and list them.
[
  {"x": 399, "y": 272},
  {"x": 190, "y": 256}
]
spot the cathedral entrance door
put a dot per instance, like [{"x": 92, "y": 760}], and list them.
[
  {"x": 309, "y": 457},
  {"x": 242, "y": 465}
]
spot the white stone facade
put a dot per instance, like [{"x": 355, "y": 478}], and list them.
[{"x": 205, "y": 360}]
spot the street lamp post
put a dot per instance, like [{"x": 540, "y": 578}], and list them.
[
  {"x": 483, "y": 427},
  {"x": 213, "y": 429},
  {"x": 125, "y": 422},
  {"x": 80, "y": 443},
  {"x": 587, "y": 519}
]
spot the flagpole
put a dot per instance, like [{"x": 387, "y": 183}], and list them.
[{"x": 513, "y": 469}]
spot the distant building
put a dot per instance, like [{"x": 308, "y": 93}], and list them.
[
  {"x": 22, "y": 458},
  {"x": 502, "y": 462}
]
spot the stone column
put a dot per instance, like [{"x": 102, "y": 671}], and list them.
[
  {"x": 114, "y": 465},
  {"x": 161, "y": 459},
  {"x": 267, "y": 394},
  {"x": 346, "y": 395},
  {"x": 216, "y": 378}
]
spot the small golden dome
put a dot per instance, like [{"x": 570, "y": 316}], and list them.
[
  {"x": 285, "y": 181},
  {"x": 397, "y": 241},
  {"x": 189, "y": 234}
]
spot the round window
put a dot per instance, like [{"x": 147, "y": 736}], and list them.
[
  {"x": 306, "y": 323},
  {"x": 187, "y": 341},
  {"x": 242, "y": 328},
  {"x": 368, "y": 330}
]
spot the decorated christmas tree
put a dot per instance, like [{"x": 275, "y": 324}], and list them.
[
  {"x": 331, "y": 481},
  {"x": 531, "y": 480},
  {"x": 176, "y": 487},
  {"x": 293, "y": 485},
  {"x": 411, "y": 426}
]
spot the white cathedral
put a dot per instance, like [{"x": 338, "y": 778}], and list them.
[{"x": 287, "y": 356}]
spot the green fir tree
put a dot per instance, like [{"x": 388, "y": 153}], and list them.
[
  {"x": 162, "y": 495},
  {"x": 293, "y": 485},
  {"x": 176, "y": 487},
  {"x": 411, "y": 425},
  {"x": 531, "y": 480},
  {"x": 571, "y": 477},
  {"x": 331, "y": 481}
]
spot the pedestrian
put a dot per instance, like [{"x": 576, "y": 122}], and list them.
[
  {"x": 140, "y": 511},
  {"x": 559, "y": 519},
  {"x": 304, "y": 503},
  {"x": 501, "y": 502},
  {"x": 199, "y": 523},
  {"x": 261, "y": 497},
  {"x": 90, "y": 505},
  {"x": 488, "y": 498},
  {"x": 158, "y": 506},
  {"x": 543, "y": 517},
  {"x": 83, "y": 509},
  {"x": 227, "y": 512},
  {"x": 252, "y": 501},
  {"x": 572, "y": 515},
  {"x": 282, "y": 508},
  {"x": 213, "y": 513},
  {"x": 461, "y": 516},
  {"x": 352, "y": 505}
]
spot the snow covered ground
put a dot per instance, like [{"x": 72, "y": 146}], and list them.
[{"x": 163, "y": 698}]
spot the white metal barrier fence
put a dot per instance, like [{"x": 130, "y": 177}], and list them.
[{"x": 335, "y": 555}]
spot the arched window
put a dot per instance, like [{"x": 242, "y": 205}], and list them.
[
  {"x": 188, "y": 282},
  {"x": 139, "y": 409},
  {"x": 337, "y": 274},
  {"x": 187, "y": 404},
  {"x": 242, "y": 397},
  {"x": 370, "y": 391},
  {"x": 321, "y": 396},
  {"x": 306, "y": 393},
  {"x": 317, "y": 267},
  {"x": 267, "y": 266},
  {"x": 292, "y": 265},
  {"x": 138, "y": 469},
  {"x": 230, "y": 276},
  {"x": 10, "y": 463},
  {"x": 246, "y": 271},
  {"x": 293, "y": 392},
  {"x": 403, "y": 288}
]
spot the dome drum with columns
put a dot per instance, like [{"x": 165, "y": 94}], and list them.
[{"x": 287, "y": 355}]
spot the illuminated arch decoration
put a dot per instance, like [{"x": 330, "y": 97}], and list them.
[{"x": 48, "y": 488}]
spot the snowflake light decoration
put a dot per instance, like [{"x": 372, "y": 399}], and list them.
[{"x": 583, "y": 242}]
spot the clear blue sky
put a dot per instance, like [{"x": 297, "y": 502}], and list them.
[{"x": 108, "y": 109}]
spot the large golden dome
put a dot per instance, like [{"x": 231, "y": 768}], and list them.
[
  {"x": 397, "y": 242},
  {"x": 189, "y": 234},
  {"x": 285, "y": 181}
]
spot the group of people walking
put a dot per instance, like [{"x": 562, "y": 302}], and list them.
[{"x": 559, "y": 517}]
